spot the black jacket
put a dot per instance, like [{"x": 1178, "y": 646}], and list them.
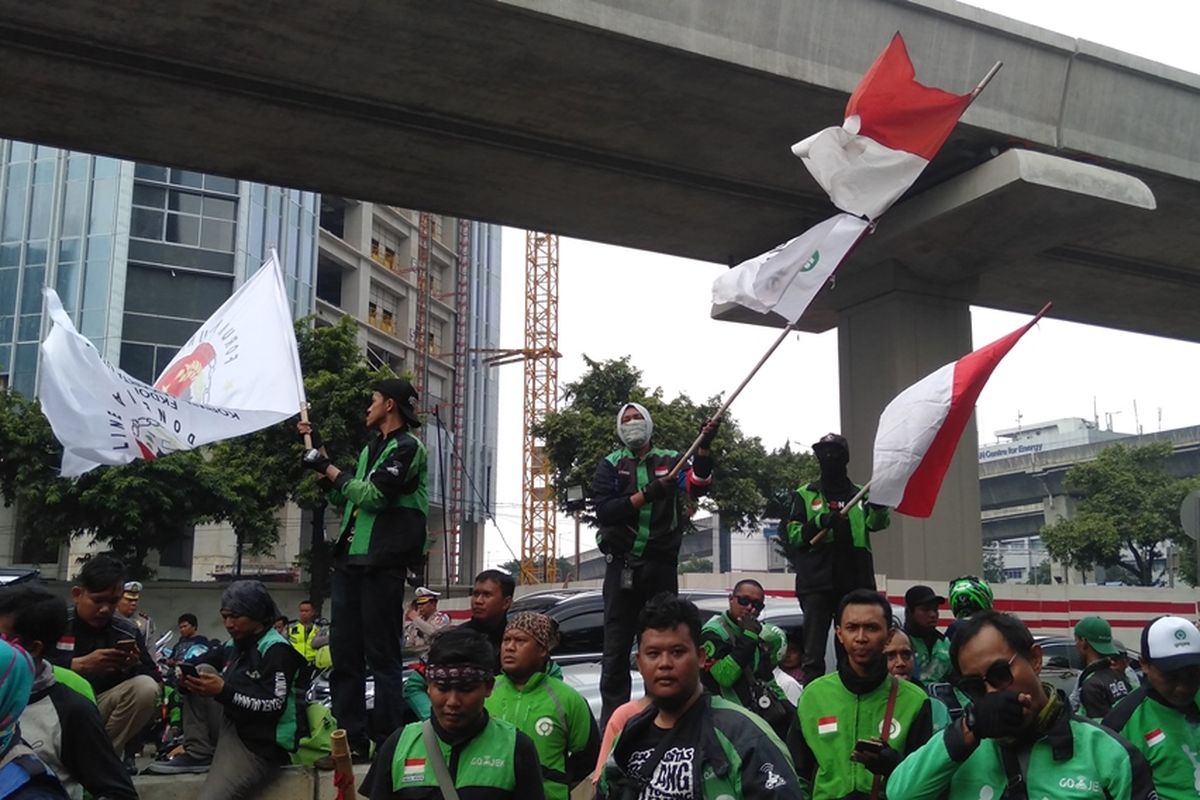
[
  {"x": 81, "y": 639},
  {"x": 1100, "y": 687},
  {"x": 259, "y": 694}
]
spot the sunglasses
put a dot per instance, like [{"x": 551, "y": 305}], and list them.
[
  {"x": 999, "y": 676},
  {"x": 743, "y": 600}
]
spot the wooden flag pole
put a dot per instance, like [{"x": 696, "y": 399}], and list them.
[
  {"x": 791, "y": 326},
  {"x": 991, "y": 73},
  {"x": 304, "y": 418}
]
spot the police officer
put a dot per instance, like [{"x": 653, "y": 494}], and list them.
[
  {"x": 484, "y": 758},
  {"x": 128, "y": 608},
  {"x": 382, "y": 535},
  {"x": 302, "y": 634},
  {"x": 641, "y": 515},
  {"x": 830, "y": 550}
]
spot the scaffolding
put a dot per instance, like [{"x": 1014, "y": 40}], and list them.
[
  {"x": 462, "y": 308},
  {"x": 421, "y": 323}
]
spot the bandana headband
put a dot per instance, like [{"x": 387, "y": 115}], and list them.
[{"x": 457, "y": 675}]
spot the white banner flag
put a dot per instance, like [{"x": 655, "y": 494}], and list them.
[
  {"x": 786, "y": 279},
  {"x": 239, "y": 373}
]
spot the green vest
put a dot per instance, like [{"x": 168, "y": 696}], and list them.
[
  {"x": 726, "y": 672},
  {"x": 74, "y": 680},
  {"x": 1167, "y": 738},
  {"x": 814, "y": 505},
  {"x": 285, "y": 728},
  {"x": 550, "y": 713},
  {"x": 484, "y": 762},
  {"x": 418, "y": 499},
  {"x": 832, "y": 719}
]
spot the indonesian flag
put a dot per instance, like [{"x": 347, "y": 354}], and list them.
[
  {"x": 894, "y": 126},
  {"x": 826, "y": 725},
  {"x": 920, "y": 428},
  {"x": 786, "y": 279},
  {"x": 1155, "y": 736}
]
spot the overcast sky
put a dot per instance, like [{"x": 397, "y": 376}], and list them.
[{"x": 1058, "y": 370}]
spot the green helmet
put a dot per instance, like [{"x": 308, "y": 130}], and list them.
[{"x": 969, "y": 595}]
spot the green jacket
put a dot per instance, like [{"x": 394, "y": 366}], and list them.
[
  {"x": 1168, "y": 737},
  {"x": 831, "y": 718},
  {"x": 729, "y": 649},
  {"x": 558, "y": 721},
  {"x": 498, "y": 763},
  {"x": 1075, "y": 758},
  {"x": 933, "y": 663},
  {"x": 842, "y": 560},
  {"x": 385, "y": 504},
  {"x": 724, "y": 751}
]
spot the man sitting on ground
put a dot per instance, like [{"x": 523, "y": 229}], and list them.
[
  {"x": 109, "y": 651},
  {"x": 544, "y": 708},
  {"x": 461, "y": 744},
  {"x": 60, "y": 724}
]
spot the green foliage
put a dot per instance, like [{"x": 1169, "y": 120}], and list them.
[
  {"x": 993, "y": 565},
  {"x": 749, "y": 482},
  {"x": 1128, "y": 510}
]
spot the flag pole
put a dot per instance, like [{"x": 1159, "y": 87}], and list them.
[
  {"x": 791, "y": 326},
  {"x": 991, "y": 73}
]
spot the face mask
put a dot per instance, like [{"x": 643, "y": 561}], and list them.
[{"x": 635, "y": 433}]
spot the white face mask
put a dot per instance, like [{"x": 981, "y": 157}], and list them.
[{"x": 635, "y": 433}]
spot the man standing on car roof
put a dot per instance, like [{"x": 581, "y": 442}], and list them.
[{"x": 641, "y": 514}]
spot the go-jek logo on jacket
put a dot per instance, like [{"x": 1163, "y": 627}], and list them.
[
  {"x": 1081, "y": 783},
  {"x": 544, "y": 726}
]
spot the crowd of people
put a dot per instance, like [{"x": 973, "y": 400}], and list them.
[{"x": 733, "y": 706}]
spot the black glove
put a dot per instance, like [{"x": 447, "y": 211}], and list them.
[
  {"x": 996, "y": 715},
  {"x": 314, "y": 435},
  {"x": 315, "y": 460},
  {"x": 882, "y": 763},
  {"x": 660, "y": 489},
  {"x": 752, "y": 624},
  {"x": 827, "y": 520},
  {"x": 708, "y": 432}
]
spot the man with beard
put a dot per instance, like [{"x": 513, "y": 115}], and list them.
[
  {"x": 1162, "y": 717},
  {"x": 829, "y": 545},
  {"x": 641, "y": 514},
  {"x": 854, "y": 726},
  {"x": 1018, "y": 736},
  {"x": 688, "y": 744}
]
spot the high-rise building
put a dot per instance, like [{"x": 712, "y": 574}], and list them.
[{"x": 141, "y": 254}]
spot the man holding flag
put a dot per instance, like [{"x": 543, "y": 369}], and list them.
[
  {"x": 829, "y": 545},
  {"x": 382, "y": 535}
]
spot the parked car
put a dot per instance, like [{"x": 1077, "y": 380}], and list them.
[{"x": 1061, "y": 662}]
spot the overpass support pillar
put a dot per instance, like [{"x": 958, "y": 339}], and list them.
[{"x": 884, "y": 345}]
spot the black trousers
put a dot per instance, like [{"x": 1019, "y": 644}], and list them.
[
  {"x": 367, "y": 631},
  {"x": 818, "y": 608},
  {"x": 621, "y": 608}
]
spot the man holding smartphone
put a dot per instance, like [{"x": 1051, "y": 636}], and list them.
[
  {"x": 854, "y": 726},
  {"x": 109, "y": 652}
]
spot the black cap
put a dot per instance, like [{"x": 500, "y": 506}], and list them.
[
  {"x": 831, "y": 440},
  {"x": 405, "y": 397},
  {"x": 922, "y": 595}
]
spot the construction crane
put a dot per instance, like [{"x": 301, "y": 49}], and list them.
[{"x": 539, "y": 537}]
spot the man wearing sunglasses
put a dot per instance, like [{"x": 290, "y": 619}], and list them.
[
  {"x": 1162, "y": 717},
  {"x": 740, "y": 654},
  {"x": 855, "y": 725},
  {"x": 1018, "y": 736}
]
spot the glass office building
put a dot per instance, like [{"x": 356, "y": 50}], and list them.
[{"x": 139, "y": 254}]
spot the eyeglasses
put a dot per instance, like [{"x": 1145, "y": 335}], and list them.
[
  {"x": 999, "y": 676},
  {"x": 743, "y": 600}
]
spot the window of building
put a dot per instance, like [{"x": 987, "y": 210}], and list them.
[
  {"x": 178, "y": 216},
  {"x": 383, "y": 309},
  {"x": 1014, "y": 574},
  {"x": 386, "y": 248}
]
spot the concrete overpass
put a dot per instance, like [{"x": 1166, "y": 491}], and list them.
[{"x": 666, "y": 126}]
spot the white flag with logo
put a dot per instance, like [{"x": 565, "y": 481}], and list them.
[
  {"x": 786, "y": 279},
  {"x": 238, "y": 374}
]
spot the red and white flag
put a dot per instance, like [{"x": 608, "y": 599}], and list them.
[
  {"x": 894, "y": 126},
  {"x": 919, "y": 430}
]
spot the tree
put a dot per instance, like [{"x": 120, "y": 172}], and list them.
[
  {"x": 993, "y": 565},
  {"x": 1128, "y": 509},
  {"x": 704, "y": 565},
  {"x": 750, "y": 483}
]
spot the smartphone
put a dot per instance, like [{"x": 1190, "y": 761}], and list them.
[
  {"x": 868, "y": 746},
  {"x": 189, "y": 670},
  {"x": 128, "y": 645}
]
